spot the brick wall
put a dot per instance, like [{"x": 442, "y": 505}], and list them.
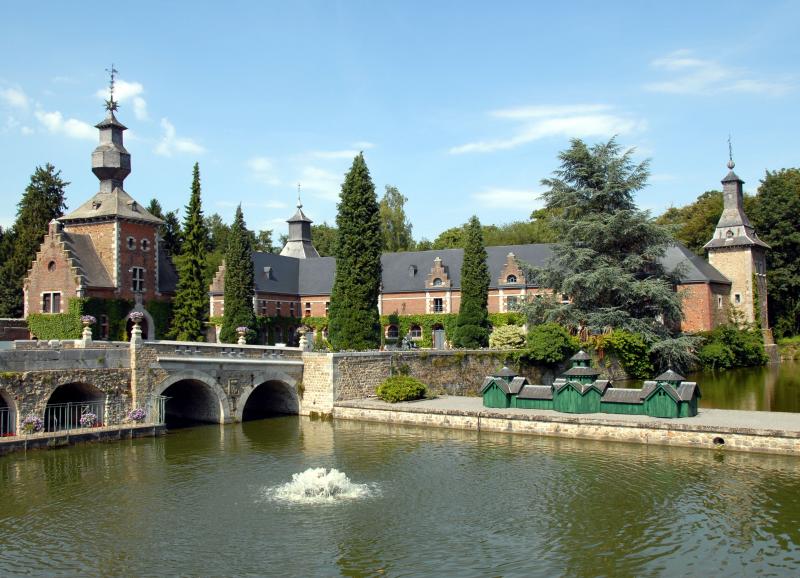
[
  {"x": 51, "y": 271},
  {"x": 104, "y": 239},
  {"x": 137, "y": 256}
]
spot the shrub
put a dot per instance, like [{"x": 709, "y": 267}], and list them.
[
  {"x": 507, "y": 337},
  {"x": 716, "y": 355},
  {"x": 631, "y": 350},
  {"x": 401, "y": 388},
  {"x": 549, "y": 343}
]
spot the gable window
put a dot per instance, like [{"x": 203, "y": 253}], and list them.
[
  {"x": 438, "y": 305},
  {"x": 137, "y": 279},
  {"x": 131, "y": 243},
  {"x": 51, "y": 302},
  {"x": 437, "y": 282},
  {"x": 511, "y": 279}
]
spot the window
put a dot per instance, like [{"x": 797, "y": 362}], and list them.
[
  {"x": 51, "y": 302},
  {"x": 327, "y": 307},
  {"x": 719, "y": 301},
  {"x": 104, "y": 332},
  {"x": 278, "y": 306},
  {"x": 416, "y": 332},
  {"x": 564, "y": 298},
  {"x": 262, "y": 307},
  {"x": 308, "y": 309},
  {"x": 137, "y": 279},
  {"x": 737, "y": 298},
  {"x": 145, "y": 245},
  {"x": 131, "y": 243},
  {"x": 412, "y": 270},
  {"x": 291, "y": 309},
  {"x": 511, "y": 279},
  {"x": 437, "y": 282},
  {"x": 51, "y": 266},
  {"x": 438, "y": 305},
  {"x": 511, "y": 303},
  {"x": 392, "y": 332}
]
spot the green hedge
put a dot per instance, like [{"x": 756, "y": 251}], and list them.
[{"x": 68, "y": 325}]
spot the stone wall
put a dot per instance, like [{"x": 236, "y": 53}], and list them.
[
  {"x": 316, "y": 390},
  {"x": 13, "y": 329}
]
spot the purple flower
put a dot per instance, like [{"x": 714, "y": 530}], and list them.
[
  {"x": 88, "y": 319},
  {"x": 32, "y": 424},
  {"x": 136, "y": 316},
  {"x": 137, "y": 414},
  {"x": 88, "y": 419},
  {"x": 242, "y": 329}
]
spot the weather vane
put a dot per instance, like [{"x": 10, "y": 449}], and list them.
[
  {"x": 299, "y": 203},
  {"x": 731, "y": 164},
  {"x": 111, "y": 104}
]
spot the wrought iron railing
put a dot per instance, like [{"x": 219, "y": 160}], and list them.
[
  {"x": 102, "y": 413},
  {"x": 6, "y": 427}
]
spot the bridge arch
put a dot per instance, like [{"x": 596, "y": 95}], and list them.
[
  {"x": 8, "y": 413},
  {"x": 69, "y": 401},
  {"x": 273, "y": 392},
  {"x": 195, "y": 396}
]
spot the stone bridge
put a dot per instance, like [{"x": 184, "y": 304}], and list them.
[{"x": 203, "y": 382}]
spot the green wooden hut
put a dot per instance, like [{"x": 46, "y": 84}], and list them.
[
  {"x": 534, "y": 397},
  {"x": 579, "y": 390},
  {"x": 498, "y": 390},
  {"x": 669, "y": 395}
]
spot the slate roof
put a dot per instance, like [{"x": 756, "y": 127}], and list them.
[
  {"x": 600, "y": 385},
  {"x": 517, "y": 384},
  {"x": 117, "y": 203},
  {"x": 511, "y": 388},
  {"x": 582, "y": 372},
  {"x": 536, "y": 392},
  {"x": 622, "y": 395},
  {"x": 670, "y": 375},
  {"x": 693, "y": 268},
  {"x": 687, "y": 390},
  {"x": 82, "y": 251},
  {"x": 504, "y": 372},
  {"x": 406, "y": 272},
  {"x": 581, "y": 356},
  {"x": 167, "y": 274}
]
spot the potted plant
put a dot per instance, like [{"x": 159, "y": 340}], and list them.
[
  {"x": 88, "y": 419},
  {"x": 32, "y": 424},
  {"x": 137, "y": 414}
]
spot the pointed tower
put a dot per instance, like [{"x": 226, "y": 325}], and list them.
[
  {"x": 736, "y": 251},
  {"x": 298, "y": 244}
]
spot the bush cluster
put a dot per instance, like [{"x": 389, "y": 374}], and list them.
[
  {"x": 507, "y": 337},
  {"x": 728, "y": 346},
  {"x": 549, "y": 343},
  {"x": 401, "y": 388}
]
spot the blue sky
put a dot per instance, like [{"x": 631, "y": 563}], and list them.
[{"x": 463, "y": 106}]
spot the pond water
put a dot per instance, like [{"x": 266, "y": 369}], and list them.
[
  {"x": 248, "y": 499},
  {"x": 774, "y": 387}
]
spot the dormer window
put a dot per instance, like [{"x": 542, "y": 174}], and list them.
[
  {"x": 134, "y": 206},
  {"x": 412, "y": 270},
  {"x": 96, "y": 205},
  {"x": 145, "y": 245},
  {"x": 131, "y": 243},
  {"x": 511, "y": 279},
  {"x": 268, "y": 272}
]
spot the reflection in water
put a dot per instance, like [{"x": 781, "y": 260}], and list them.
[
  {"x": 774, "y": 387},
  {"x": 450, "y": 503}
]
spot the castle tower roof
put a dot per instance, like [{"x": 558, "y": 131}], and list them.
[
  {"x": 734, "y": 228},
  {"x": 299, "y": 243}
]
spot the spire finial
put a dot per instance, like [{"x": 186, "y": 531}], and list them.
[
  {"x": 111, "y": 104},
  {"x": 731, "y": 164},
  {"x": 299, "y": 202}
]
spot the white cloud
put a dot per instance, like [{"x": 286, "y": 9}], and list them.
[
  {"x": 55, "y": 123},
  {"x": 348, "y": 153},
  {"x": 262, "y": 169},
  {"x": 125, "y": 91},
  {"x": 15, "y": 98},
  {"x": 692, "y": 75},
  {"x": 26, "y": 130},
  {"x": 538, "y": 122},
  {"x": 500, "y": 198},
  {"x": 324, "y": 184},
  {"x": 171, "y": 143}
]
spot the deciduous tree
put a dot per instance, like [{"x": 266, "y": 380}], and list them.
[{"x": 395, "y": 226}]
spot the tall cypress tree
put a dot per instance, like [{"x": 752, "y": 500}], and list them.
[
  {"x": 42, "y": 202},
  {"x": 472, "y": 324},
  {"x": 239, "y": 281},
  {"x": 191, "y": 299},
  {"x": 354, "y": 322}
]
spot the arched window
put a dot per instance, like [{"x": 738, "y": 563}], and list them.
[
  {"x": 145, "y": 245},
  {"x": 392, "y": 332},
  {"x": 416, "y": 332},
  {"x": 511, "y": 279},
  {"x": 131, "y": 243},
  {"x": 437, "y": 282}
]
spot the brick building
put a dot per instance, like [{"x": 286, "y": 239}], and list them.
[
  {"x": 108, "y": 247},
  {"x": 297, "y": 283}
]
